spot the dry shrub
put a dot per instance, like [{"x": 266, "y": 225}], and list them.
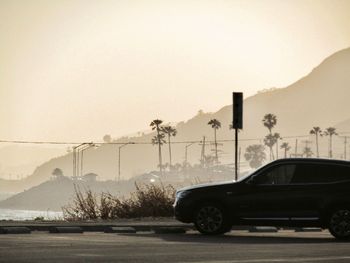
[
  {"x": 154, "y": 201},
  {"x": 147, "y": 201},
  {"x": 84, "y": 206}
]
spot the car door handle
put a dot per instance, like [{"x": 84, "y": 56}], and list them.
[{"x": 229, "y": 193}]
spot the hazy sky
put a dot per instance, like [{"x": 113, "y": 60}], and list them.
[{"x": 76, "y": 70}]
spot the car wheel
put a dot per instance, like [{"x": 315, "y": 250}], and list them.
[
  {"x": 211, "y": 219},
  {"x": 339, "y": 223}
]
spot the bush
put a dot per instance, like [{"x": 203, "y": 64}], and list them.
[{"x": 147, "y": 201}]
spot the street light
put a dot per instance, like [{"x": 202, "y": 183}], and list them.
[
  {"x": 82, "y": 155},
  {"x": 76, "y": 158},
  {"x": 119, "y": 164}
]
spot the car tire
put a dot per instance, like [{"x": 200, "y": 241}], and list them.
[
  {"x": 212, "y": 219},
  {"x": 339, "y": 223}
]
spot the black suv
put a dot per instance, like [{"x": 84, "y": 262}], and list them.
[{"x": 288, "y": 192}]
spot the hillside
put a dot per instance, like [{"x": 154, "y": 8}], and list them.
[
  {"x": 318, "y": 99},
  {"x": 54, "y": 194}
]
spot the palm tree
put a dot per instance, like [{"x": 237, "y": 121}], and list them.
[
  {"x": 277, "y": 137},
  {"x": 330, "y": 131},
  {"x": 286, "y": 148},
  {"x": 270, "y": 121},
  {"x": 215, "y": 124},
  {"x": 316, "y": 131},
  {"x": 270, "y": 141},
  {"x": 170, "y": 131},
  {"x": 307, "y": 152},
  {"x": 158, "y": 139},
  {"x": 255, "y": 154}
]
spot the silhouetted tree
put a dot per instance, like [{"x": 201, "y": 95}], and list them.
[
  {"x": 255, "y": 155},
  {"x": 169, "y": 131},
  {"x": 159, "y": 140},
  {"x": 285, "y": 146},
  {"x": 270, "y": 121},
  {"x": 330, "y": 132},
  {"x": 277, "y": 137},
  {"x": 307, "y": 152},
  {"x": 107, "y": 138},
  {"x": 317, "y": 132},
  {"x": 270, "y": 141},
  {"x": 215, "y": 124},
  {"x": 57, "y": 173}
]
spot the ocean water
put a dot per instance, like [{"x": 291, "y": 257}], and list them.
[{"x": 10, "y": 214}]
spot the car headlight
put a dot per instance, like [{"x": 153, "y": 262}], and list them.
[{"x": 180, "y": 194}]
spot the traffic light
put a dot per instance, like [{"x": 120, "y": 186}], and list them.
[{"x": 237, "y": 105}]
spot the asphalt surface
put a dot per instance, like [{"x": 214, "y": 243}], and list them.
[{"x": 237, "y": 246}]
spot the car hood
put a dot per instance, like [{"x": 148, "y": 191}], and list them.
[{"x": 198, "y": 186}]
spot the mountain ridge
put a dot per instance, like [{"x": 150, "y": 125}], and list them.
[{"x": 317, "y": 99}]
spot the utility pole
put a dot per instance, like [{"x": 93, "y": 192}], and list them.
[
  {"x": 296, "y": 148},
  {"x": 203, "y": 144},
  {"x": 307, "y": 142},
  {"x": 188, "y": 145},
  {"x": 345, "y": 145},
  {"x": 280, "y": 138}
]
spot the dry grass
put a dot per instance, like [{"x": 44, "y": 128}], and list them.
[{"x": 147, "y": 201}]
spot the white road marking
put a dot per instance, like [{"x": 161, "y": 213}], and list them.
[{"x": 307, "y": 259}]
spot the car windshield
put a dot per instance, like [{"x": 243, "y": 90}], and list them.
[
  {"x": 245, "y": 176},
  {"x": 250, "y": 173}
]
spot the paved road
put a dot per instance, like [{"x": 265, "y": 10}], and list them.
[{"x": 238, "y": 246}]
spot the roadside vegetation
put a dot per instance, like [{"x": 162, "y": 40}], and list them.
[{"x": 149, "y": 200}]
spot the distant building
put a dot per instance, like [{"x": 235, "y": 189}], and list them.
[{"x": 90, "y": 177}]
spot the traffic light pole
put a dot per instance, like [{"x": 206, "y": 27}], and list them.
[
  {"x": 237, "y": 122},
  {"x": 236, "y": 154}
]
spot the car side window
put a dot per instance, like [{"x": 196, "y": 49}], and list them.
[
  {"x": 333, "y": 173},
  {"x": 279, "y": 175},
  {"x": 305, "y": 173},
  {"x": 320, "y": 173}
]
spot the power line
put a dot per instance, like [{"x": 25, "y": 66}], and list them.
[{"x": 146, "y": 143}]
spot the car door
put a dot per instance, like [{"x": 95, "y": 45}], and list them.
[
  {"x": 264, "y": 199},
  {"x": 304, "y": 192},
  {"x": 310, "y": 189}
]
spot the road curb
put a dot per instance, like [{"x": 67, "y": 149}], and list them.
[
  {"x": 66, "y": 230},
  {"x": 15, "y": 230},
  {"x": 122, "y": 230}
]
